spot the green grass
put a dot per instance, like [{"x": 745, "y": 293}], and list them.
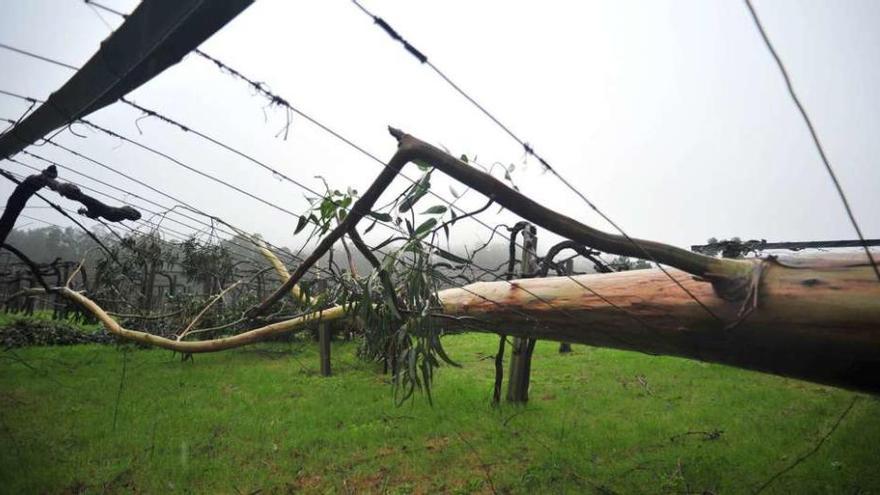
[{"x": 599, "y": 421}]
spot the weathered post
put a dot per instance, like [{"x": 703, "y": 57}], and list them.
[
  {"x": 324, "y": 347},
  {"x": 521, "y": 354},
  {"x": 566, "y": 268}
]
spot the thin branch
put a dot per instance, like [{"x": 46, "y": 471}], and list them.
[
  {"x": 220, "y": 327},
  {"x": 579, "y": 249},
  {"x": 204, "y": 310},
  {"x": 33, "y": 291},
  {"x": 499, "y": 370},
  {"x": 387, "y": 285},
  {"x": 245, "y": 338},
  {"x": 144, "y": 317},
  {"x": 411, "y": 148},
  {"x": 466, "y": 215},
  {"x": 79, "y": 268}
]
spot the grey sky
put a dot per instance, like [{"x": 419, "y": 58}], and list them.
[{"x": 671, "y": 116}]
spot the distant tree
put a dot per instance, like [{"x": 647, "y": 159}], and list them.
[{"x": 623, "y": 264}]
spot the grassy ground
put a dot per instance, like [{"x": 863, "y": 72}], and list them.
[{"x": 99, "y": 419}]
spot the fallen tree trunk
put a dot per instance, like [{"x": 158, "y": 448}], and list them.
[
  {"x": 813, "y": 319},
  {"x": 816, "y": 319}
]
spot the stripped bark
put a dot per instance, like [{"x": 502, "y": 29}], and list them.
[{"x": 816, "y": 319}]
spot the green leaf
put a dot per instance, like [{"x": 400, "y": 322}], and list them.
[
  {"x": 451, "y": 257},
  {"x": 421, "y": 188},
  {"x": 301, "y": 224},
  {"x": 438, "y": 348},
  {"x": 327, "y": 208},
  {"x": 411, "y": 200},
  {"x": 382, "y": 217},
  {"x": 426, "y": 227},
  {"x": 435, "y": 210}
]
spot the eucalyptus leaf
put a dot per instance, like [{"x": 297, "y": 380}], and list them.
[
  {"x": 436, "y": 209},
  {"x": 301, "y": 224},
  {"x": 451, "y": 257},
  {"x": 382, "y": 217},
  {"x": 426, "y": 226}
]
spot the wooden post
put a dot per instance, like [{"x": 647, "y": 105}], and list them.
[
  {"x": 521, "y": 354},
  {"x": 567, "y": 268},
  {"x": 324, "y": 347}
]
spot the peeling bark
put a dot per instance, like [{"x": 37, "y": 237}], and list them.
[{"x": 815, "y": 319}]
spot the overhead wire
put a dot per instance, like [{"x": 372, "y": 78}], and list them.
[
  {"x": 814, "y": 135},
  {"x": 273, "y": 98},
  {"x": 37, "y": 56},
  {"x": 164, "y": 209},
  {"x": 278, "y": 100},
  {"x": 529, "y": 150},
  {"x": 265, "y": 92}
]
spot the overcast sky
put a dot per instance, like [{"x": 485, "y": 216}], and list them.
[{"x": 670, "y": 116}]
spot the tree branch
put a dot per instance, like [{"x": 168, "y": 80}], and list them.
[
  {"x": 579, "y": 249},
  {"x": 728, "y": 276},
  {"x": 693, "y": 263},
  {"x": 20, "y": 196},
  {"x": 93, "y": 207},
  {"x": 48, "y": 178}
]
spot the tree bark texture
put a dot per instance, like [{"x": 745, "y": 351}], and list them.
[{"x": 815, "y": 319}]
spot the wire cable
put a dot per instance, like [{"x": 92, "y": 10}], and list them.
[
  {"x": 529, "y": 150},
  {"x": 275, "y": 99},
  {"x": 813, "y": 134}
]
